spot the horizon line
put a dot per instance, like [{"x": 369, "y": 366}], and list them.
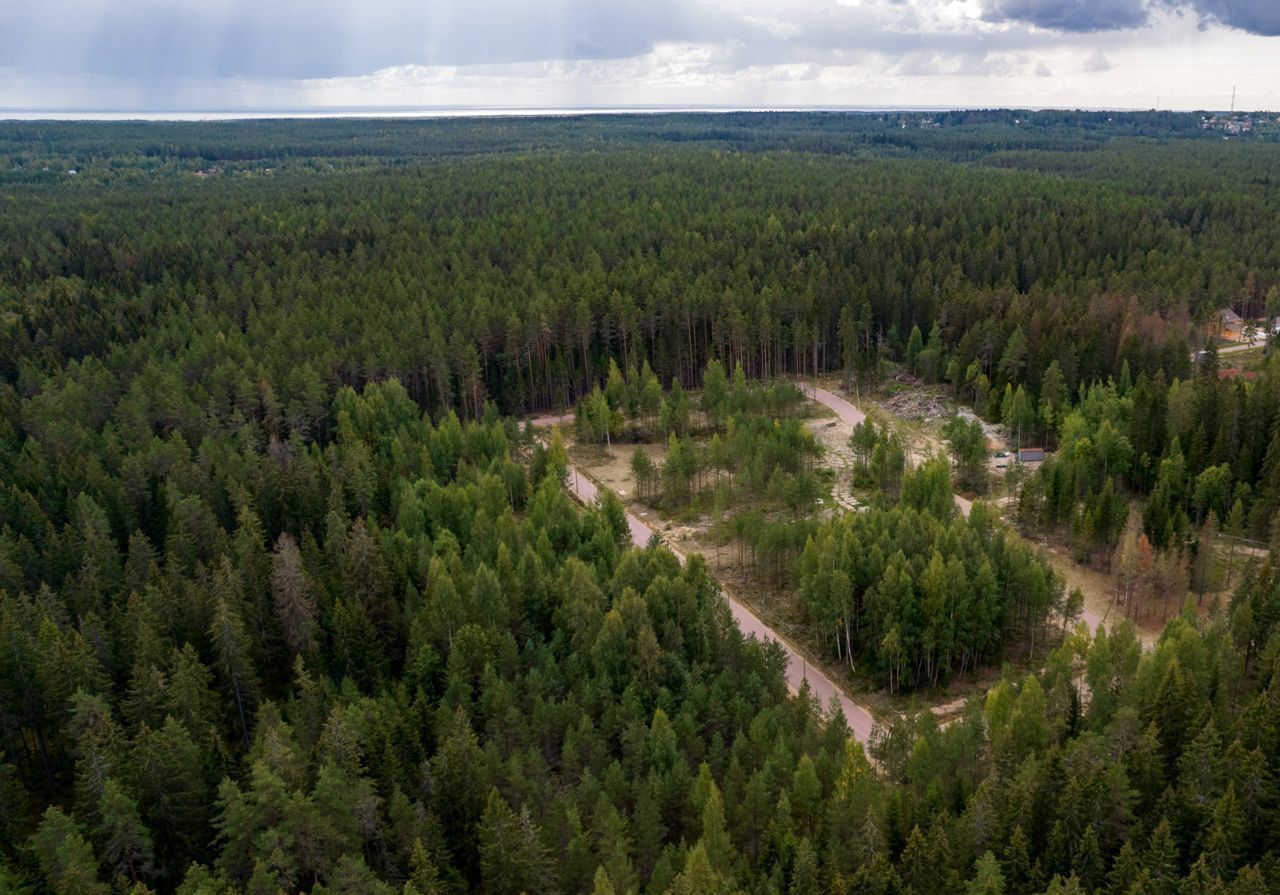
[{"x": 86, "y": 113}]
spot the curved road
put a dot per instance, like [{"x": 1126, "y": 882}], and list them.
[
  {"x": 853, "y": 416},
  {"x": 798, "y": 670}
]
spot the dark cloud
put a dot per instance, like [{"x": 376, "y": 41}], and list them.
[
  {"x": 1070, "y": 15},
  {"x": 157, "y": 41},
  {"x": 162, "y": 43},
  {"x": 1255, "y": 16},
  {"x": 326, "y": 38},
  {"x": 1085, "y": 16}
]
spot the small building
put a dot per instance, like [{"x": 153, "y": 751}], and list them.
[
  {"x": 1030, "y": 454},
  {"x": 1237, "y": 373},
  {"x": 1227, "y": 324}
]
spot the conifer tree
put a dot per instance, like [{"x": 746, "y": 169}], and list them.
[
  {"x": 295, "y": 607},
  {"x": 65, "y": 857},
  {"x": 125, "y": 843}
]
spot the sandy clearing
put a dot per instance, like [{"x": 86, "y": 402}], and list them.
[
  {"x": 852, "y": 416},
  {"x": 798, "y": 671},
  {"x": 1096, "y": 588}
]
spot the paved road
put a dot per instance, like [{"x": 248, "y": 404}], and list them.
[{"x": 798, "y": 669}]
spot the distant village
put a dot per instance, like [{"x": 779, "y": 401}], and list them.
[{"x": 1238, "y": 125}]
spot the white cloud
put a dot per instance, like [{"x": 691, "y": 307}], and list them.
[{"x": 1097, "y": 61}]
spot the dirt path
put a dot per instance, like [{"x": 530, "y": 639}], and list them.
[
  {"x": 798, "y": 671},
  {"x": 852, "y": 416},
  {"x": 1094, "y": 585}
]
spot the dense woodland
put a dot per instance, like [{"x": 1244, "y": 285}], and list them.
[
  {"x": 289, "y": 600},
  {"x": 1202, "y": 453},
  {"x": 917, "y": 593}
]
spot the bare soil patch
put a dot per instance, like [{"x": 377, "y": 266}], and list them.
[
  {"x": 833, "y": 434},
  {"x": 613, "y": 470},
  {"x": 1099, "y": 590}
]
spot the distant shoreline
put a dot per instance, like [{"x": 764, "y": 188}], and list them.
[{"x": 18, "y": 114}]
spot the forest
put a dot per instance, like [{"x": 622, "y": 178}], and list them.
[
  {"x": 292, "y": 600},
  {"x": 903, "y": 587}
]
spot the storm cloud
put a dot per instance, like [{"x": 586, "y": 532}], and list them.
[
  {"x": 290, "y": 39},
  {"x": 1255, "y": 16},
  {"x": 1070, "y": 15},
  {"x": 1083, "y": 16},
  {"x": 327, "y": 38},
  {"x": 155, "y": 40},
  {"x": 229, "y": 53}
]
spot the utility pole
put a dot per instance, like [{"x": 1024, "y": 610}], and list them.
[{"x": 1233, "y": 100}]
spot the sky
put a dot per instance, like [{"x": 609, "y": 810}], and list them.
[{"x": 317, "y": 54}]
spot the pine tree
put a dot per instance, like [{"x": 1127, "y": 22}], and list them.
[
  {"x": 350, "y": 877},
  {"x": 146, "y": 695},
  {"x": 806, "y": 792},
  {"x": 511, "y": 857},
  {"x": 1017, "y": 861},
  {"x": 863, "y": 442},
  {"x": 1249, "y": 881},
  {"x": 915, "y": 344},
  {"x": 987, "y": 877},
  {"x": 1069, "y": 886},
  {"x": 99, "y": 750},
  {"x": 1200, "y": 881},
  {"x": 805, "y": 879},
  {"x": 1088, "y": 863},
  {"x": 1162, "y": 857},
  {"x": 65, "y": 856},
  {"x": 166, "y": 775},
  {"x": 294, "y": 606},
  {"x": 1225, "y": 842},
  {"x": 458, "y": 771},
  {"x": 1126, "y": 870},
  {"x": 125, "y": 843},
  {"x": 647, "y": 828},
  {"x": 715, "y": 393},
  {"x": 601, "y": 884},
  {"x": 643, "y": 472},
  {"x": 424, "y": 878},
  {"x": 698, "y": 876},
  {"x": 715, "y": 840},
  {"x": 190, "y": 698},
  {"x": 231, "y": 644}
]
